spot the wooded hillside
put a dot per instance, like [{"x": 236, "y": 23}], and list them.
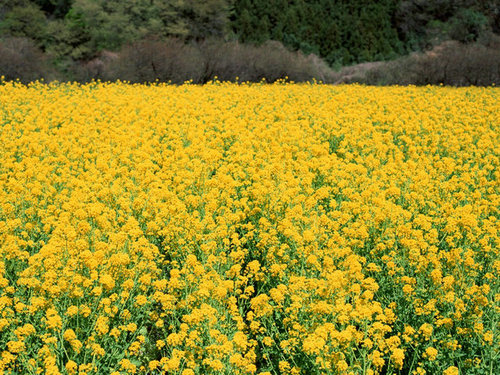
[{"x": 340, "y": 32}]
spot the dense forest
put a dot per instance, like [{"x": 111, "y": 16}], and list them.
[{"x": 70, "y": 33}]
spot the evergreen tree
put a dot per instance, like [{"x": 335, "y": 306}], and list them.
[
  {"x": 206, "y": 18},
  {"x": 245, "y": 27},
  {"x": 54, "y": 8},
  {"x": 69, "y": 38},
  {"x": 342, "y": 32},
  {"x": 112, "y": 23},
  {"x": 339, "y": 31},
  {"x": 24, "y": 20}
]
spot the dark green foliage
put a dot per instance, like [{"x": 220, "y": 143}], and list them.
[
  {"x": 424, "y": 23},
  {"x": 345, "y": 32},
  {"x": 24, "y": 20},
  {"x": 206, "y": 18},
  {"x": 69, "y": 38},
  {"x": 56, "y": 8},
  {"x": 341, "y": 32},
  {"x": 468, "y": 25},
  {"x": 79, "y": 29}
]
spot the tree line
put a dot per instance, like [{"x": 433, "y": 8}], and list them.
[{"x": 340, "y": 32}]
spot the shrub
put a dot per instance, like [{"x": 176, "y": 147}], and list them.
[
  {"x": 94, "y": 69},
  {"x": 172, "y": 60},
  {"x": 21, "y": 59},
  {"x": 451, "y": 63},
  {"x": 270, "y": 61},
  {"x": 151, "y": 60}
]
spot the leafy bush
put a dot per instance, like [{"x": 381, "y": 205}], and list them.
[
  {"x": 468, "y": 26},
  {"x": 26, "y": 21}
]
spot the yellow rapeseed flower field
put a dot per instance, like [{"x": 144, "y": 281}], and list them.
[{"x": 249, "y": 229}]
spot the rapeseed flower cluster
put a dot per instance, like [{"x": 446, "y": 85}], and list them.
[{"x": 249, "y": 229}]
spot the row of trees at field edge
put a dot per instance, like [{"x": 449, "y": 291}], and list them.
[{"x": 340, "y": 32}]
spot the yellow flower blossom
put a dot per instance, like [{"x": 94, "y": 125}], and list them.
[
  {"x": 245, "y": 228},
  {"x": 452, "y": 370}
]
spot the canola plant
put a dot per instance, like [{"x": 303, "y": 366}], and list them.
[{"x": 249, "y": 229}]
